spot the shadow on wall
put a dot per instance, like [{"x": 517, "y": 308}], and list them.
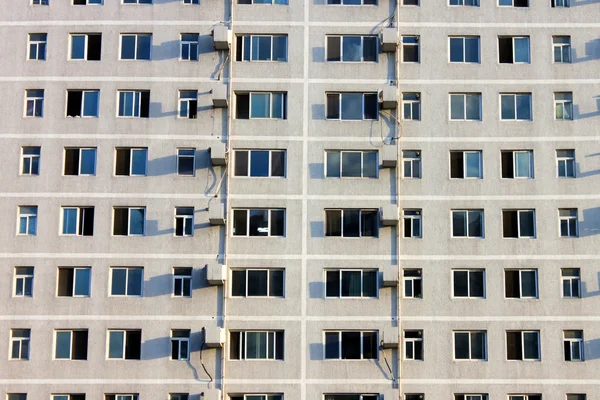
[
  {"x": 576, "y": 3},
  {"x": 159, "y": 285},
  {"x": 585, "y": 288},
  {"x": 578, "y": 115},
  {"x": 156, "y": 111},
  {"x": 590, "y": 223},
  {"x": 316, "y": 290},
  {"x": 591, "y": 349},
  {"x": 168, "y": 165},
  {"x": 592, "y": 49},
  {"x": 169, "y": 50},
  {"x": 317, "y": 229}
]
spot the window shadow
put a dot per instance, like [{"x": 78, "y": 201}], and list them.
[
  {"x": 168, "y": 50},
  {"x": 591, "y": 349},
  {"x": 585, "y": 290},
  {"x": 590, "y": 223},
  {"x": 162, "y": 166},
  {"x": 160, "y": 285},
  {"x": 578, "y": 3},
  {"x": 316, "y": 170},
  {"x": 156, "y": 111},
  {"x": 318, "y": 112},
  {"x": 318, "y": 54},
  {"x": 592, "y": 50},
  {"x": 578, "y": 115},
  {"x": 317, "y": 229},
  {"x": 316, "y": 352},
  {"x": 316, "y": 290},
  {"x": 156, "y": 348}
]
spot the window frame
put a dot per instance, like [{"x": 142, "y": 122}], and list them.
[
  {"x": 124, "y": 332},
  {"x": 519, "y": 211},
  {"x": 523, "y": 332},
  {"x": 566, "y": 106},
  {"x": 136, "y": 47},
  {"x": 360, "y": 210},
  {"x": 521, "y": 271},
  {"x": 514, "y": 153},
  {"x": 566, "y": 160},
  {"x": 362, "y": 48},
  {"x": 571, "y": 280},
  {"x": 182, "y": 157},
  {"x": 28, "y": 159},
  {"x": 84, "y": 92},
  {"x": 190, "y": 111},
  {"x": 242, "y": 49},
  {"x": 86, "y": 35},
  {"x": 470, "y": 333},
  {"x": 412, "y": 106},
  {"x": 417, "y": 44},
  {"x": 340, "y": 347},
  {"x": 35, "y": 99},
  {"x": 562, "y": 47},
  {"x": 340, "y": 109},
  {"x": 406, "y": 340},
  {"x": 249, "y": 163},
  {"x": 127, "y": 269},
  {"x": 267, "y": 284},
  {"x": 71, "y": 337},
  {"x": 513, "y": 38},
  {"x": 79, "y": 215},
  {"x": 25, "y": 276},
  {"x": 80, "y": 150},
  {"x": 418, "y": 159},
  {"x": 568, "y": 219},
  {"x": 179, "y": 341},
  {"x": 129, "y": 208},
  {"x": 182, "y": 278},
  {"x": 251, "y": 94},
  {"x": 269, "y": 235},
  {"x": 412, "y": 279},
  {"x": 571, "y": 342},
  {"x": 136, "y": 93},
  {"x": 515, "y": 95},
  {"x": 28, "y": 217},
  {"x": 37, "y": 44},
  {"x": 512, "y": 4},
  {"x": 464, "y": 49},
  {"x": 20, "y": 340},
  {"x": 411, "y": 220},
  {"x": 464, "y": 164},
  {"x": 467, "y": 211},
  {"x": 186, "y": 219},
  {"x": 469, "y": 294},
  {"x": 465, "y": 113},
  {"x": 74, "y": 284},
  {"x": 243, "y": 345},
  {"x": 188, "y": 43},
  {"x": 362, "y": 282},
  {"x": 362, "y": 164},
  {"x": 131, "y": 151}
]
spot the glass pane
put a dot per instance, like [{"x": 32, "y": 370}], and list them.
[
  {"x": 472, "y": 164},
  {"x": 90, "y": 104},
  {"x": 69, "y": 221},
  {"x": 88, "y": 161},
  {"x": 523, "y": 107},
  {"x": 472, "y": 50},
  {"x": 461, "y": 346},
  {"x": 259, "y": 223},
  {"x": 143, "y": 49},
  {"x": 256, "y": 345},
  {"x": 260, "y": 105},
  {"x": 333, "y": 164},
  {"x": 77, "y": 47},
  {"x": 136, "y": 221},
  {"x": 521, "y": 50},
  {"x": 530, "y": 345},
  {"x": 528, "y": 284},
  {"x": 351, "y": 164},
  {"x": 351, "y": 283},
  {"x": 459, "y": 223},
  {"x": 115, "y": 344},
  {"x": 257, "y": 283},
  {"x": 134, "y": 282},
  {"x": 278, "y": 105},
  {"x": 461, "y": 284},
  {"x": 457, "y": 106},
  {"x": 278, "y": 163},
  {"x": 508, "y": 107},
  {"x": 127, "y": 47},
  {"x": 370, "y": 164},
  {"x": 332, "y": 345},
  {"x": 351, "y": 223},
  {"x": 473, "y": 111},
  {"x": 477, "y": 345},
  {"x": 138, "y": 162},
  {"x": 351, "y": 48},
  {"x": 261, "y": 48},
  {"x": 119, "y": 278},
  {"x": 280, "y": 48},
  {"x": 238, "y": 283},
  {"x": 476, "y": 283},
  {"x": 259, "y": 163},
  {"x": 352, "y": 106},
  {"x": 82, "y": 282},
  {"x": 370, "y": 283},
  {"x": 522, "y": 168},
  {"x": 63, "y": 345},
  {"x": 526, "y": 224},
  {"x": 456, "y": 50}
]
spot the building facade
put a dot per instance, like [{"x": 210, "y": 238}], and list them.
[{"x": 268, "y": 200}]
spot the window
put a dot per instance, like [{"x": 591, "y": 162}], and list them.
[
  {"x": 513, "y": 49},
  {"x": 561, "y": 3},
  {"x": 521, "y": 283},
  {"x": 261, "y": 48},
  {"x": 513, "y": 3},
  {"x": 573, "y": 345},
  {"x": 255, "y": 396},
  {"x": 351, "y": 223},
  {"x": 351, "y": 345},
  {"x": 74, "y": 282},
  {"x": 523, "y": 345},
  {"x": 259, "y": 222},
  {"x": 30, "y": 160},
  {"x": 466, "y": 164},
  {"x": 189, "y": 46},
  {"x": 351, "y": 283},
  {"x": 80, "y": 161},
  {"x": 131, "y": 161},
  {"x": 19, "y": 344},
  {"x": 262, "y": 105},
  {"x": 38, "y": 3},
  {"x": 78, "y": 221},
  {"x": 80, "y": 396},
  {"x": 471, "y": 396},
  {"x": 464, "y": 49},
  {"x": 34, "y": 103},
  {"x": 352, "y": 106},
  {"x": 179, "y": 396},
  {"x": 86, "y": 46},
  {"x": 352, "y": 2},
  {"x": 410, "y": 49},
  {"x": 191, "y": 2},
  {"x": 571, "y": 283},
  {"x": 129, "y": 221},
  {"x": 184, "y": 221},
  {"x": 257, "y": 282},
  {"x": 351, "y": 396},
  {"x": 411, "y": 106},
  {"x": 469, "y": 283},
  {"x": 467, "y": 223},
  {"x": 126, "y": 281},
  {"x": 137, "y": 2},
  {"x": 517, "y": 164},
  {"x": 565, "y": 161},
  {"x": 413, "y": 283},
  {"x": 561, "y": 46},
  {"x": 518, "y": 223},
  {"x": 23, "y": 281},
  {"x": 82, "y": 103},
  {"x": 28, "y": 220},
  {"x": 188, "y": 104},
  {"x": 37, "y": 46},
  {"x": 260, "y": 163},
  {"x": 71, "y": 344},
  {"x": 180, "y": 344},
  {"x": 411, "y": 164},
  {"x": 515, "y": 107},
  {"x": 182, "y": 282},
  {"x": 412, "y": 223},
  {"x": 136, "y": 46},
  {"x": 568, "y": 222},
  {"x": 124, "y": 345},
  {"x": 465, "y": 106},
  {"x": 563, "y": 106},
  {"x": 86, "y": 2},
  {"x": 186, "y": 162},
  {"x": 134, "y": 104},
  {"x": 352, "y": 48},
  {"x": 471, "y": 3},
  {"x": 414, "y": 396},
  {"x": 256, "y": 345},
  {"x": 571, "y": 396},
  {"x": 413, "y": 345},
  {"x": 121, "y": 396},
  {"x": 410, "y": 2},
  {"x": 21, "y": 396},
  {"x": 351, "y": 164},
  {"x": 470, "y": 345}
]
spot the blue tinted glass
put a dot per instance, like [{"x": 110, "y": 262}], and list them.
[
  {"x": 136, "y": 221},
  {"x": 259, "y": 163},
  {"x": 457, "y": 107},
  {"x": 143, "y": 47},
  {"x": 134, "y": 282},
  {"x": 78, "y": 47},
  {"x": 32, "y": 225},
  {"x": 115, "y": 345},
  {"x": 69, "y": 221},
  {"x": 88, "y": 162},
  {"x": 119, "y": 277},
  {"x": 456, "y": 50},
  {"x": 127, "y": 47},
  {"x": 82, "y": 282},
  {"x": 22, "y": 225},
  {"x": 508, "y": 107},
  {"x": 277, "y": 105},
  {"x": 63, "y": 345},
  {"x": 138, "y": 162},
  {"x": 522, "y": 50},
  {"x": 472, "y": 50},
  {"x": 523, "y": 107},
  {"x": 260, "y": 105},
  {"x": 352, "y": 106},
  {"x": 351, "y": 47},
  {"x": 125, "y": 103},
  {"x": 246, "y": 48},
  {"x": 472, "y": 163},
  {"x": 261, "y": 48},
  {"x": 90, "y": 104}
]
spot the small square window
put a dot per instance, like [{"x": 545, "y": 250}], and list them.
[
  {"x": 30, "y": 160},
  {"x": 23, "y": 282},
  {"x": 83, "y": 103},
  {"x": 565, "y": 162},
  {"x": 413, "y": 283},
  {"x": 129, "y": 221},
  {"x": 34, "y": 103},
  {"x": 124, "y": 345},
  {"x": 411, "y": 164},
  {"x": 37, "y": 46},
  {"x": 134, "y": 104},
  {"x": 27, "y": 220},
  {"x": 515, "y": 107},
  {"x": 413, "y": 345},
  {"x": 184, "y": 221},
  {"x": 561, "y": 46},
  {"x": 410, "y": 49}
]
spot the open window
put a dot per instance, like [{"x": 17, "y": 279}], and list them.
[{"x": 71, "y": 344}]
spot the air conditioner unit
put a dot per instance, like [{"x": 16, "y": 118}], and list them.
[
  {"x": 219, "y": 96},
  {"x": 389, "y": 156},
  {"x": 389, "y": 39},
  {"x": 388, "y": 98},
  {"x": 214, "y": 337},
  {"x": 389, "y": 215},
  {"x": 216, "y": 215},
  {"x": 390, "y": 276},
  {"x": 216, "y": 274},
  {"x": 391, "y": 338},
  {"x": 221, "y": 37},
  {"x": 217, "y": 154},
  {"x": 214, "y": 394}
]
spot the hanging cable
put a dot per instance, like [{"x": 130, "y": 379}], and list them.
[
  {"x": 386, "y": 361},
  {"x": 201, "y": 360}
]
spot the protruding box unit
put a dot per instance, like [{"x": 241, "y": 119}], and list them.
[
  {"x": 213, "y": 394},
  {"x": 389, "y": 39},
  {"x": 216, "y": 274},
  {"x": 390, "y": 394},
  {"x": 390, "y": 338},
  {"x": 219, "y": 96},
  {"x": 221, "y": 37},
  {"x": 217, "y": 154},
  {"x": 387, "y": 98},
  {"x": 216, "y": 215},
  {"x": 390, "y": 276},
  {"x": 389, "y": 156},
  {"x": 214, "y": 336},
  {"x": 389, "y": 215}
]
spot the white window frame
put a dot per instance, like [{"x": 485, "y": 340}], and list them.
[
  {"x": 127, "y": 269},
  {"x": 247, "y": 210},
  {"x": 28, "y": 217},
  {"x": 362, "y": 271},
  {"x": 75, "y": 269},
  {"x": 513, "y": 38},
  {"x": 361, "y": 210},
  {"x": 565, "y": 160},
  {"x": 36, "y": 43},
  {"x": 362, "y": 48},
  {"x": 362, "y": 3},
  {"x": 28, "y": 159},
  {"x": 80, "y": 150},
  {"x": 132, "y": 150},
  {"x": 362, "y": 116},
  {"x": 464, "y": 156},
  {"x": 412, "y": 104},
  {"x": 570, "y": 280},
  {"x": 187, "y": 219},
  {"x": 24, "y": 278},
  {"x": 85, "y": 46},
  {"x": 186, "y": 156},
  {"x": 565, "y": 4},
  {"x": 417, "y": 45},
  {"x": 467, "y": 211},
  {"x": 129, "y": 221},
  {"x": 183, "y": 279},
  {"x": 409, "y": 280},
  {"x": 406, "y": 340},
  {"x": 189, "y": 43},
  {"x": 561, "y": 46},
  {"x": 179, "y": 340},
  {"x": 78, "y": 216},
  {"x": 35, "y": 100},
  {"x": 463, "y": 3},
  {"x": 521, "y": 296},
  {"x": 268, "y": 343},
  {"x": 464, "y": 49},
  {"x": 270, "y": 171},
  {"x": 469, "y": 271},
  {"x": 20, "y": 340},
  {"x": 340, "y": 347},
  {"x": 270, "y": 117},
  {"x": 519, "y": 223},
  {"x": 575, "y": 342},
  {"x": 566, "y": 106},
  {"x": 464, "y": 96},
  {"x": 187, "y": 100},
  {"x": 362, "y": 159},
  {"x": 135, "y": 50},
  {"x": 137, "y": 98},
  {"x": 566, "y": 219},
  {"x": 87, "y": 3},
  {"x": 412, "y": 161},
  {"x": 84, "y": 94},
  {"x": 514, "y": 153},
  {"x": 124, "y": 333},
  {"x": 517, "y": 396},
  {"x": 410, "y": 219},
  {"x": 514, "y": 96},
  {"x": 268, "y": 284},
  {"x": 191, "y": 2},
  {"x": 485, "y": 346},
  {"x": 511, "y": 5},
  {"x": 523, "y": 332},
  {"x": 70, "y": 331},
  {"x": 271, "y": 59}
]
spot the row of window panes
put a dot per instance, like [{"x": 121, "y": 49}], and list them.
[
  {"x": 335, "y": 396},
  {"x": 101, "y": 2},
  {"x": 500, "y": 3},
  {"x": 471, "y": 3}
]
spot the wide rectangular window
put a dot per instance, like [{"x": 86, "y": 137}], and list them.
[
  {"x": 256, "y": 345},
  {"x": 137, "y": 2},
  {"x": 80, "y": 161},
  {"x": 471, "y": 396},
  {"x": 351, "y": 282},
  {"x": 186, "y": 162},
  {"x": 521, "y": 283},
  {"x": 184, "y": 221},
  {"x": 464, "y": 49},
  {"x": 470, "y": 345},
  {"x": 565, "y": 162},
  {"x": 131, "y": 161},
  {"x": 517, "y": 164},
  {"x": 411, "y": 164},
  {"x": 70, "y": 344},
  {"x": 83, "y": 103},
  {"x": 260, "y": 163},
  {"x": 412, "y": 223},
  {"x": 351, "y": 164},
  {"x": 126, "y": 281},
  {"x": 279, "y": 2},
  {"x": 136, "y": 46},
  {"x": 561, "y": 46},
  {"x": 513, "y": 3},
  {"x": 409, "y": 46},
  {"x": 78, "y": 221},
  {"x": 352, "y": 106},
  {"x": 411, "y": 106},
  {"x": 573, "y": 345},
  {"x": 86, "y": 46},
  {"x": 468, "y": 283},
  {"x": 352, "y": 48},
  {"x": 71, "y": 396},
  {"x": 351, "y": 345},
  {"x": 568, "y": 222},
  {"x": 34, "y": 103},
  {"x": 413, "y": 283},
  {"x": 37, "y": 46},
  {"x": 259, "y": 222},
  {"x": 182, "y": 282},
  {"x": 351, "y": 2},
  {"x": 23, "y": 396},
  {"x": 180, "y": 344},
  {"x": 513, "y": 49},
  {"x": 87, "y": 2},
  {"x": 254, "y": 282},
  {"x": 23, "y": 282},
  {"x": 74, "y": 281},
  {"x": 134, "y": 103},
  {"x": 189, "y": 46},
  {"x": 262, "y": 48},
  {"x": 518, "y": 223},
  {"x": 467, "y": 223},
  {"x": 351, "y": 396},
  {"x": 471, "y": 3},
  {"x": 122, "y": 396},
  {"x": 188, "y": 104},
  {"x": 180, "y": 396},
  {"x": 30, "y": 160},
  {"x": 466, "y": 164},
  {"x": 523, "y": 345},
  {"x": 351, "y": 223},
  {"x": 560, "y": 3},
  {"x": 28, "y": 220},
  {"x": 465, "y": 106},
  {"x": 563, "y": 106},
  {"x": 261, "y": 105},
  {"x": 19, "y": 344},
  {"x": 124, "y": 345},
  {"x": 571, "y": 283},
  {"x": 255, "y": 396},
  {"x": 413, "y": 345},
  {"x": 515, "y": 107},
  {"x": 129, "y": 221}
]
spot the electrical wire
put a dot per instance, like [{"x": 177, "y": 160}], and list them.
[
  {"x": 201, "y": 360},
  {"x": 386, "y": 361}
]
